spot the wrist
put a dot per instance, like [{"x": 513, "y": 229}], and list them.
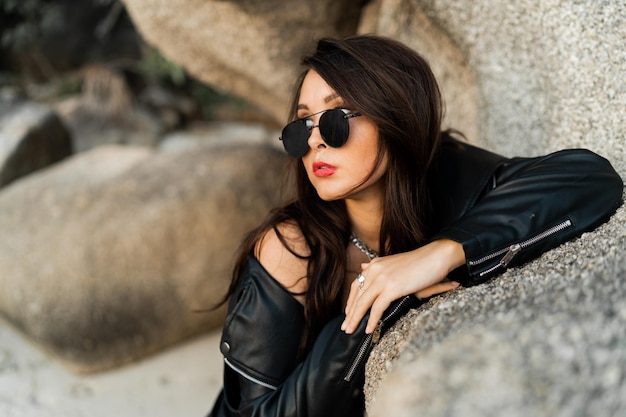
[{"x": 453, "y": 253}]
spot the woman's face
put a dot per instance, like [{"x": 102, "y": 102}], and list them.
[{"x": 338, "y": 173}]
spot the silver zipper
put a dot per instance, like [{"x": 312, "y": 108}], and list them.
[
  {"x": 248, "y": 377},
  {"x": 372, "y": 339},
  {"x": 359, "y": 357},
  {"x": 510, "y": 252}
]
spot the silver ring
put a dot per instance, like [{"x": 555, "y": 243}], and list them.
[{"x": 361, "y": 280}]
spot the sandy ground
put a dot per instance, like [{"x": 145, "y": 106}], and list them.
[{"x": 182, "y": 381}]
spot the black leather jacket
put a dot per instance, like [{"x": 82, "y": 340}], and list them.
[{"x": 504, "y": 212}]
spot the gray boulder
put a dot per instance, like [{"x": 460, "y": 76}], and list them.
[
  {"x": 31, "y": 137},
  {"x": 542, "y": 340},
  {"x": 533, "y": 76},
  {"x": 108, "y": 255},
  {"x": 249, "y": 48}
]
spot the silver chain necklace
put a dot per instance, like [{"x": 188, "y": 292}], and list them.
[{"x": 370, "y": 253}]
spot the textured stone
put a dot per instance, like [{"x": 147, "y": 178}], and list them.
[
  {"x": 543, "y": 340},
  {"x": 550, "y": 75},
  {"x": 250, "y": 48},
  {"x": 111, "y": 251}
]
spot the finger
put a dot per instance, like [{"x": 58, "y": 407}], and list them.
[
  {"x": 355, "y": 290},
  {"x": 353, "y": 296},
  {"x": 438, "y": 288},
  {"x": 353, "y": 308},
  {"x": 376, "y": 313},
  {"x": 359, "y": 309}
]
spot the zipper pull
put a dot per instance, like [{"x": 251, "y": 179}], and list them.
[
  {"x": 377, "y": 332},
  {"x": 508, "y": 257}
]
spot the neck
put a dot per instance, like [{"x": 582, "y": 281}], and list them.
[{"x": 365, "y": 220}]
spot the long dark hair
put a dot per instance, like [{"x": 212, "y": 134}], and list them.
[{"x": 394, "y": 87}]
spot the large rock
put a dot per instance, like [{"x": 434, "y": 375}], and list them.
[
  {"x": 250, "y": 48},
  {"x": 31, "y": 137},
  {"x": 544, "y": 75},
  {"x": 543, "y": 340},
  {"x": 107, "y": 255}
]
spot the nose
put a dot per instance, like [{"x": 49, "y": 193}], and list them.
[{"x": 315, "y": 139}]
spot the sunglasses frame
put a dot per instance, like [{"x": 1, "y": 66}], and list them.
[{"x": 298, "y": 150}]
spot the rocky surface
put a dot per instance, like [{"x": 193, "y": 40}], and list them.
[
  {"x": 546, "y": 339},
  {"x": 519, "y": 77}
]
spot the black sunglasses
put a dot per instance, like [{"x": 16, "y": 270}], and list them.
[{"x": 334, "y": 129}]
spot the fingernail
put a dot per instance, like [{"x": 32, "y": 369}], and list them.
[
  {"x": 456, "y": 284},
  {"x": 343, "y": 326}
]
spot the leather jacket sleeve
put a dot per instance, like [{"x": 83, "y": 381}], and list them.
[
  {"x": 508, "y": 211},
  {"x": 262, "y": 373}
]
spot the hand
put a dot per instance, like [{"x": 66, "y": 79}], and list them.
[{"x": 421, "y": 272}]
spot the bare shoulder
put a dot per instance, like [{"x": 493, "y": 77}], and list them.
[{"x": 281, "y": 253}]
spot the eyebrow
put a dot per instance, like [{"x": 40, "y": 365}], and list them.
[{"x": 327, "y": 99}]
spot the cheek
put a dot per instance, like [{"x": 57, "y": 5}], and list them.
[{"x": 366, "y": 144}]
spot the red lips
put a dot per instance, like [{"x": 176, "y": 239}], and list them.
[{"x": 322, "y": 169}]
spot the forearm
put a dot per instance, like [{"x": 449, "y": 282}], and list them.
[
  {"x": 452, "y": 256},
  {"x": 537, "y": 204}
]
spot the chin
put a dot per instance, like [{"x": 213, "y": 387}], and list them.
[
  {"x": 326, "y": 197},
  {"x": 330, "y": 195}
]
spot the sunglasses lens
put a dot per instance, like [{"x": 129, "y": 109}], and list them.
[
  {"x": 334, "y": 127},
  {"x": 295, "y": 138}
]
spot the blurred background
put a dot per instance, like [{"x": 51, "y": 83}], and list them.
[
  {"x": 75, "y": 77},
  {"x": 54, "y": 50}
]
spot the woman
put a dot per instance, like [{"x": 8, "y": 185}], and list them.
[{"x": 388, "y": 208}]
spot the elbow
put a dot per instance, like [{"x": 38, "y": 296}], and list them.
[
  {"x": 605, "y": 186},
  {"x": 608, "y": 182}
]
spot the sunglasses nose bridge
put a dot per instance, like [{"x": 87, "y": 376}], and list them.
[{"x": 315, "y": 140}]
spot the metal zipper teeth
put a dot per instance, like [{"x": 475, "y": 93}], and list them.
[
  {"x": 547, "y": 233},
  {"x": 248, "y": 377},
  {"x": 358, "y": 358},
  {"x": 368, "y": 340}
]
